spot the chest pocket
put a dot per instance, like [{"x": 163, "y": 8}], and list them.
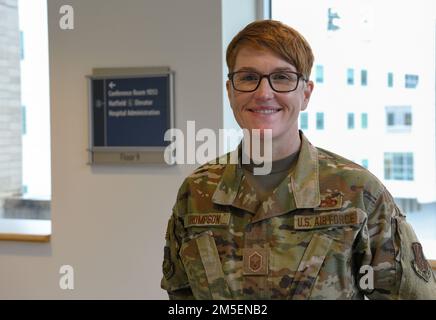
[
  {"x": 309, "y": 266},
  {"x": 203, "y": 267},
  {"x": 317, "y": 251}
]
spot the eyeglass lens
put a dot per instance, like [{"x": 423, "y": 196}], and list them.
[{"x": 279, "y": 81}]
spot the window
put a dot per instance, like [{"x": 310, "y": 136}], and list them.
[
  {"x": 408, "y": 119},
  {"x": 390, "y": 118},
  {"x": 398, "y": 118},
  {"x": 23, "y": 120},
  {"x": 399, "y": 166},
  {"x": 350, "y": 76},
  {"x": 10, "y": 105},
  {"x": 411, "y": 81},
  {"x": 354, "y": 42},
  {"x": 390, "y": 79},
  {"x": 21, "y": 45},
  {"x": 25, "y": 181},
  {"x": 319, "y": 74},
  {"x": 350, "y": 120},
  {"x": 363, "y": 77},
  {"x": 320, "y": 120},
  {"x": 364, "y": 120},
  {"x": 304, "y": 121}
]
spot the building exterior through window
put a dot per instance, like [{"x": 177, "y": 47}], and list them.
[
  {"x": 10, "y": 104},
  {"x": 25, "y": 182},
  {"x": 372, "y": 67}
]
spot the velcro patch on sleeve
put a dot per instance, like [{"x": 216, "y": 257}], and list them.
[
  {"x": 325, "y": 220},
  {"x": 420, "y": 264},
  {"x": 207, "y": 219},
  {"x": 330, "y": 202}
]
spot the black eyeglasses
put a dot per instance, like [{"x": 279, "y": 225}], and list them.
[{"x": 249, "y": 81}]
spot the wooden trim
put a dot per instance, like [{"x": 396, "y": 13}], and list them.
[
  {"x": 433, "y": 264},
  {"x": 24, "y": 237},
  {"x": 25, "y": 230}
]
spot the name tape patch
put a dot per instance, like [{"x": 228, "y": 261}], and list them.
[
  {"x": 207, "y": 219},
  {"x": 333, "y": 219}
]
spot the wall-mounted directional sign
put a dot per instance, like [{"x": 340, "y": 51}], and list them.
[{"x": 130, "y": 111}]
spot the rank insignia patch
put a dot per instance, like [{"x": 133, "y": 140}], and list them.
[
  {"x": 255, "y": 261},
  {"x": 420, "y": 264}
]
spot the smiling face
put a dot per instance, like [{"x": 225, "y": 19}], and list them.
[{"x": 265, "y": 108}]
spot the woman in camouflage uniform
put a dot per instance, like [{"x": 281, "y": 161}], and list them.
[{"x": 318, "y": 226}]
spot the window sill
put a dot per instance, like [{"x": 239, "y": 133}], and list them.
[{"x": 25, "y": 230}]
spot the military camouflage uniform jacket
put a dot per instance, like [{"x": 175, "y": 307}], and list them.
[{"x": 330, "y": 230}]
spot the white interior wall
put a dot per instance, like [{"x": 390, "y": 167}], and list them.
[{"x": 109, "y": 222}]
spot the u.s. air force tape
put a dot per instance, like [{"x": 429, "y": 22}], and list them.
[
  {"x": 325, "y": 220},
  {"x": 207, "y": 219}
]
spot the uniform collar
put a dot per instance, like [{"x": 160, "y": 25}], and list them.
[
  {"x": 297, "y": 191},
  {"x": 228, "y": 186},
  {"x": 305, "y": 184}
]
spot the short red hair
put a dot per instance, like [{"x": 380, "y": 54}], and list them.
[{"x": 273, "y": 35}]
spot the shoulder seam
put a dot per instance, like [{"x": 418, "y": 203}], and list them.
[{"x": 372, "y": 206}]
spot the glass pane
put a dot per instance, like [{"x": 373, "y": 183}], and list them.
[
  {"x": 391, "y": 119},
  {"x": 408, "y": 119},
  {"x": 320, "y": 120},
  {"x": 350, "y": 76},
  {"x": 364, "y": 77},
  {"x": 304, "y": 121},
  {"x": 364, "y": 38},
  {"x": 388, "y": 166},
  {"x": 350, "y": 121},
  {"x": 390, "y": 79},
  {"x": 319, "y": 74},
  {"x": 364, "y": 120},
  {"x": 411, "y": 81},
  {"x": 25, "y": 183}
]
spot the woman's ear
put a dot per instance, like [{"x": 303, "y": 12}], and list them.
[{"x": 307, "y": 92}]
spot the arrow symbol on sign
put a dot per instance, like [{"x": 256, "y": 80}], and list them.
[{"x": 112, "y": 85}]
